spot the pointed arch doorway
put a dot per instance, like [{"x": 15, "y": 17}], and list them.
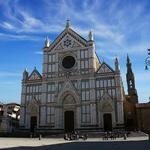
[
  {"x": 33, "y": 114},
  {"x": 69, "y": 106},
  {"x": 107, "y": 109}
]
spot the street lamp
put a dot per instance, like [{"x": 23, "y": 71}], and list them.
[
  {"x": 147, "y": 60},
  {"x": 148, "y": 51}
]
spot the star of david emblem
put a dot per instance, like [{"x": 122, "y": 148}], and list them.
[{"x": 67, "y": 42}]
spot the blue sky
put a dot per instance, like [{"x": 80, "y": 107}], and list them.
[{"x": 119, "y": 26}]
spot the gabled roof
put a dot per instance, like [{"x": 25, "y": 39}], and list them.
[
  {"x": 104, "y": 68},
  {"x": 71, "y": 33},
  {"x": 35, "y": 75}
]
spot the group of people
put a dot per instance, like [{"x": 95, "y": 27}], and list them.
[{"x": 74, "y": 135}]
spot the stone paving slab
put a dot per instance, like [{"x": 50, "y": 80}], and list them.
[{"x": 59, "y": 143}]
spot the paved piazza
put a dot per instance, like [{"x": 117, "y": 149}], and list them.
[{"x": 137, "y": 143}]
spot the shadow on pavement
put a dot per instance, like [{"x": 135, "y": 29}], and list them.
[{"x": 117, "y": 145}]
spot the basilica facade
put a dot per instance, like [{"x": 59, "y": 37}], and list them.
[{"x": 76, "y": 91}]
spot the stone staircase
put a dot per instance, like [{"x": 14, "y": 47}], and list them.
[{"x": 137, "y": 134}]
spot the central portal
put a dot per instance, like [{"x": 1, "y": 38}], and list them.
[
  {"x": 107, "y": 122},
  {"x": 69, "y": 121}
]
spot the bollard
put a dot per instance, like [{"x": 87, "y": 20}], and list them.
[
  {"x": 125, "y": 136},
  {"x": 30, "y": 135},
  {"x": 40, "y": 136}
]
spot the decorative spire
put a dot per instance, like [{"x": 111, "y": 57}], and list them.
[
  {"x": 116, "y": 60},
  {"x": 25, "y": 70},
  {"x": 46, "y": 42},
  {"x": 129, "y": 68},
  {"x": 68, "y": 24},
  {"x": 117, "y": 67},
  {"x": 34, "y": 67},
  {"x": 128, "y": 59},
  {"x": 90, "y": 36},
  {"x": 25, "y": 74}
]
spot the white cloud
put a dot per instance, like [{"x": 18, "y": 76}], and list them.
[
  {"x": 9, "y": 74},
  {"x": 139, "y": 76},
  {"x": 7, "y": 25},
  {"x": 112, "y": 26},
  {"x": 31, "y": 24},
  {"x": 90, "y": 17},
  {"x": 142, "y": 76},
  {"x": 4, "y": 36},
  {"x": 8, "y": 83},
  {"x": 39, "y": 52}
]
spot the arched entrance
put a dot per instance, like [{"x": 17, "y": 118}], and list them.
[
  {"x": 107, "y": 118},
  {"x": 69, "y": 121},
  {"x": 107, "y": 109}
]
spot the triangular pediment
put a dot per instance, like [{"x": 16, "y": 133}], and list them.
[
  {"x": 35, "y": 75},
  {"x": 68, "y": 39},
  {"x": 106, "y": 97},
  {"x": 68, "y": 86},
  {"x": 105, "y": 68}
]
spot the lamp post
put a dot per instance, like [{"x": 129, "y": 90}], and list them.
[{"x": 147, "y": 60}]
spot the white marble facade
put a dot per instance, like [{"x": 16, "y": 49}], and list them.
[{"x": 73, "y": 79}]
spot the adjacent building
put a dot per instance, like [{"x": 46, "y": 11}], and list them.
[
  {"x": 9, "y": 117},
  {"x": 143, "y": 113}
]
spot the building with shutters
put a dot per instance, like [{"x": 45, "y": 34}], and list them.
[{"x": 9, "y": 118}]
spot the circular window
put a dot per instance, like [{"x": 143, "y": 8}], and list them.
[{"x": 68, "y": 62}]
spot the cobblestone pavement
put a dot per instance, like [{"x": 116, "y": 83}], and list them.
[{"x": 137, "y": 143}]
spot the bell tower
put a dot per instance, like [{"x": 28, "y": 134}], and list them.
[{"x": 131, "y": 82}]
